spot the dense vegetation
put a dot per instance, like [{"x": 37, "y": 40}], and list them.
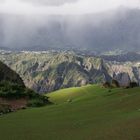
[
  {"x": 85, "y": 113},
  {"x": 14, "y": 91}
]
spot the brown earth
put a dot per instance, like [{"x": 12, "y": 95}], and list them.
[{"x": 14, "y": 104}]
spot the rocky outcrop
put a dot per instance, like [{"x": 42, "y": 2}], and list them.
[{"x": 123, "y": 79}]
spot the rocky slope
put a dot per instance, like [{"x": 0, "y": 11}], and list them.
[
  {"x": 49, "y": 71},
  {"x": 6, "y": 74}
]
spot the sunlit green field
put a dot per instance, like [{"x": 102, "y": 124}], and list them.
[{"x": 86, "y": 113}]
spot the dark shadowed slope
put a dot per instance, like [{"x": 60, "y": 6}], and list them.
[{"x": 6, "y": 74}]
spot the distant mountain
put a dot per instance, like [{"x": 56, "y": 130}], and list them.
[
  {"x": 108, "y": 31},
  {"x": 49, "y": 71},
  {"x": 130, "y": 56}
]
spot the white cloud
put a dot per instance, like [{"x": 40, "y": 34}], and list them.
[{"x": 62, "y": 6}]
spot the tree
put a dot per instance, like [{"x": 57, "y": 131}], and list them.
[{"x": 106, "y": 85}]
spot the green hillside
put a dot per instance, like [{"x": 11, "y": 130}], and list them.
[{"x": 86, "y": 113}]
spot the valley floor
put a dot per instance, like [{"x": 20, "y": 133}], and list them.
[{"x": 85, "y": 113}]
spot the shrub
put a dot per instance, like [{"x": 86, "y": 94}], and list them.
[
  {"x": 106, "y": 85},
  {"x": 4, "y": 108},
  {"x": 134, "y": 84},
  {"x": 13, "y": 91},
  {"x": 10, "y": 90},
  {"x": 115, "y": 83},
  {"x": 36, "y": 103}
]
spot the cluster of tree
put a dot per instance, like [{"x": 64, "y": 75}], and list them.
[{"x": 10, "y": 90}]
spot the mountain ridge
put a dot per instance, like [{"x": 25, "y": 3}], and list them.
[{"x": 49, "y": 71}]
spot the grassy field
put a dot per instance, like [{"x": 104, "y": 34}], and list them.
[{"x": 86, "y": 113}]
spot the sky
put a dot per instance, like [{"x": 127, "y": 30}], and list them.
[{"x": 63, "y": 7}]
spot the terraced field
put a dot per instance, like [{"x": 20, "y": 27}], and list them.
[{"x": 85, "y": 113}]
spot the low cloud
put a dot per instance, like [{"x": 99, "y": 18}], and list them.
[{"x": 50, "y": 2}]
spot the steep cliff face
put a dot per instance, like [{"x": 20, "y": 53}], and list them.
[
  {"x": 6, "y": 74},
  {"x": 46, "y": 72},
  {"x": 124, "y": 72},
  {"x": 123, "y": 79}
]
